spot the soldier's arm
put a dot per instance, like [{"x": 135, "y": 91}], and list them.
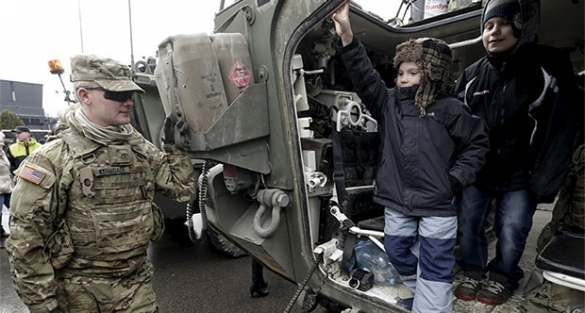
[
  {"x": 33, "y": 209},
  {"x": 175, "y": 176}
]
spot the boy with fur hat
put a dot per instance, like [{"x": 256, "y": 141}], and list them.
[
  {"x": 528, "y": 119},
  {"x": 431, "y": 148}
]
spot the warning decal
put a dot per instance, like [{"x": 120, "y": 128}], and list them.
[{"x": 240, "y": 75}]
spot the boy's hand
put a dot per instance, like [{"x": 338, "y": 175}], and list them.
[
  {"x": 456, "y": 186},
  {"x": 342, "y": 25}
]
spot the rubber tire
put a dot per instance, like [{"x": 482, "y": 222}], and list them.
[{"x": 224, "y": 246}]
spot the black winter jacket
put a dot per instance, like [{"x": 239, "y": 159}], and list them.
[
  {"x": 527, "y": 115},
  {"x": 418, "y": 153}
]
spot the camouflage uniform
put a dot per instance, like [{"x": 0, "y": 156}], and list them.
[
  {"x": 569, "y": 209},
  {"x": 83, "y": 211}
]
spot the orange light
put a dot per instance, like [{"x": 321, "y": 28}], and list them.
[{"x": 56, "y": 67}]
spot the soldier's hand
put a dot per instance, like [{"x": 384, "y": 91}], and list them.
[{"x": 168, "y": 133}]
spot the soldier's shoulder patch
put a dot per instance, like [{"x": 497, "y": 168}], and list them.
[{"x": 31, "y": 173}]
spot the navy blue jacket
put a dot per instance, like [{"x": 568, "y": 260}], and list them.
[{"x": 418, "y": 153}]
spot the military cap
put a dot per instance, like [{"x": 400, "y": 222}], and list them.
[
  {"x": 21, "y": 129},
  {"x": 107, "y": 73}
]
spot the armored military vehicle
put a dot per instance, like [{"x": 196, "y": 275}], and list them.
[{"x": 288, "y": 151}]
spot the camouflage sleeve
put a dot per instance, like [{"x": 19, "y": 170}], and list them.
[
  {"x": 33, "y": 209},
  {"x": 175, "y": 176}
]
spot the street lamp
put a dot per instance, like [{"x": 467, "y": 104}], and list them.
[{"x": 56, "y": 68}]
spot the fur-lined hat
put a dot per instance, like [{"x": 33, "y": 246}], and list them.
[{"x": 433, "y": 57}]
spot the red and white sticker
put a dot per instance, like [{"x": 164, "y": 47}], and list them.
[{"x": 240, "y": 75}]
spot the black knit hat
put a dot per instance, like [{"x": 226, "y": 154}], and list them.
[
  {"x": 433, "y": 56},
  {"x": 508, "y": 9}
]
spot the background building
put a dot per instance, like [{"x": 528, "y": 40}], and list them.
[{"x": 26, "y": 101}]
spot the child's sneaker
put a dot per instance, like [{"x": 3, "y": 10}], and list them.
[
  {"x": 467, "y": 289},
  {"x": 494, "y": 293}
]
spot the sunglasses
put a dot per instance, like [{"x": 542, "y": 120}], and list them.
[{"x": 119, "y": 96}]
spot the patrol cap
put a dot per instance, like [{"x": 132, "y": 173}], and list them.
[
  {"x": 21, "y": 129},
  {"x": 109, "y": 74}
]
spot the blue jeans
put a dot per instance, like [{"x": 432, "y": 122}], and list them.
[{"x": 513, "y": 220}]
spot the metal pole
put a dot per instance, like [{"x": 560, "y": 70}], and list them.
[
  {"x": 67, "y": 92},
  {"x": 131, "y": 43},
  {"x": 80, "y": 27}
]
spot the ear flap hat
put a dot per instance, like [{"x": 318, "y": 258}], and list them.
[{"x": 433, "y": 57}]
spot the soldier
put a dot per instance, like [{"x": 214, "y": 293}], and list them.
[{"x": 83, "y": 211}]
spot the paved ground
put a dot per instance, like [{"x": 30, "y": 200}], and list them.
[
  {"x": 197, "y": 279},
  {"x": 189, "y": 279}
]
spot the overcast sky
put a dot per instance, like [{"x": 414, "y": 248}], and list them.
[{"x": 33, "y": 32}]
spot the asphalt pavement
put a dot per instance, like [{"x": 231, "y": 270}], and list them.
[
  {"x": 189, "y": 279},
  {"x": 196, "y": 278}
]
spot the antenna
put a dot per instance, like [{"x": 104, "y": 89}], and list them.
[
  {"x": 131, "y": 43},
  {"x": 80, "y": 27}
]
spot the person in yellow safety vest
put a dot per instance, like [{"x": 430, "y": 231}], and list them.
[{"x": 24, "y": 145}]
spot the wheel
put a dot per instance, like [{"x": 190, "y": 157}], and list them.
[{"x": 224, "y": 246}]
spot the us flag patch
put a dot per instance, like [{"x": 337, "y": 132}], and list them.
[{"x": 32, "y": 174}]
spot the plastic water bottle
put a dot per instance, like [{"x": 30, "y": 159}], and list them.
[{"x": 371, "y": 258}]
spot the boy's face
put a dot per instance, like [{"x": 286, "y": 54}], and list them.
[
  {"x": 408, "y": 75},
  {"x": 498, "y": 35}
]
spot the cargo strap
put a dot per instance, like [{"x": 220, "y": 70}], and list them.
[
  {"x": 342, "y": 198},
  {"x": 338, "y": 170},
  {"x": 176, "y": 117}
]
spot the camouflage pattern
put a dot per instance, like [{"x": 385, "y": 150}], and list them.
[
  {"x": 107, "y": 73},
  {"x": 569, "y": 210},
  {"x": 46, "y": 257},
  {"x": 132, "y": 293},
  {"x": 570, "y": 207},
  {"x": 549, "y": 297}
]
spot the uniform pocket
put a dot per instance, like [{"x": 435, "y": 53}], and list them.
[
  {"x": 60, "y": 246},
  {"x": 158, "y": 220}
]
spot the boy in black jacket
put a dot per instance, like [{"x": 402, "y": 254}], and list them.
[
  {"x": 432, "y": 147},
  {"x": 527, "y": 115}
]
